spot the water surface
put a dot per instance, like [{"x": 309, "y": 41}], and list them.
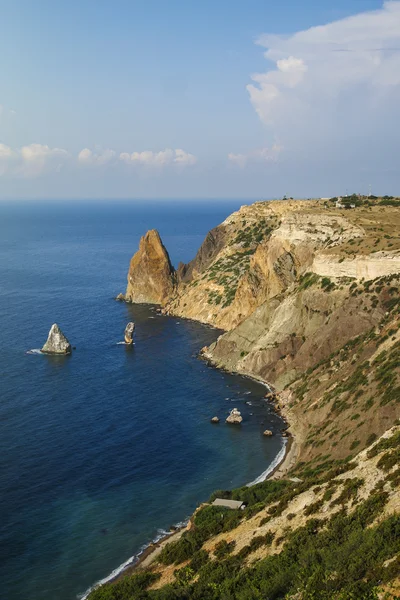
[{"x": 102, "y": 450}]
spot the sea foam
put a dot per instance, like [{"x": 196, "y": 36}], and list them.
[
  {"x": 161, "y": 533},
  {"x": 278, "y": 459}
]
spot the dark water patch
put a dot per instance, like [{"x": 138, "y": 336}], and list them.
[{"x": 101, "y": 450}]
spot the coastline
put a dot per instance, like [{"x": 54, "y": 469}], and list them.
[
  {"x": 145, "y": 557},
  {"x": 150, "y": 552}
]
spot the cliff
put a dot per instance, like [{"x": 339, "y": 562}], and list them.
[
  {"x": 294, "y": 284},
  {"x": 151, "y": 277},
  {"x": 309, "y": 298}
]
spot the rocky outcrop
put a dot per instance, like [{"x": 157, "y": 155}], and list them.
[
  {"x": 235, "y": 417},
  {"x": 129, "y": 331},
  {"x": 215, "y": 420},
  {"x": 56, "y": 342},
  {"x": 369, "y": 267},
  {"x": 268, "y": 433},
  {"x": 212, "y": 245},
  {"x": 151, "y": 277}
]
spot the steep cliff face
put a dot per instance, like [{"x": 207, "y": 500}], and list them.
[
  {"x": 151, "y": 277},
  {"x": 293, "y": 284},
  {"x": 310, "y": 300}
]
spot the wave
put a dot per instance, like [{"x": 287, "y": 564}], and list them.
[
  {"x": 277, "y": 460},
  {"x": 125, "y": 344},
  {"x": 34, "y": 351},
  {"x": 161, "y": 533}
]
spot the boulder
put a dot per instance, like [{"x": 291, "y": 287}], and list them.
[
  {"x": 56, "y": 342},
  {"x": 234, "y": 417},
  {"x": 151, "y": 276},
  {"x": 268, "y": 433},
  {"x": 129, "y": 331},
  {"x": 215, "y": 420},
  {"x": 120, "y": 298}
]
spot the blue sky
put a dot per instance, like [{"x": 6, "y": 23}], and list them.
[{"x": 183, "y": 99}]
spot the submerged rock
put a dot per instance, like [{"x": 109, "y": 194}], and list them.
[
  {"x": 215, "y": 420},
  {"x": 151, "y": 277},
  {"x": 234, "y": 417},
  {"x": 56, "y": 342},
  {"x": 129, "y": 331}
]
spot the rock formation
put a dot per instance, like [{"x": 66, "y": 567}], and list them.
[
  {"x": 268, "y": 433},
  {"x": 151, "y": 277},
  {"x": 129, "y": 331},
  {"x": 234, "y": 417},
  {"x": 215, "y": 420},
  {"x": 56, "y": 342}
]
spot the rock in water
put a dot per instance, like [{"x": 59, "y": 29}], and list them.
[
  {"x": 56, "y": 342},
  {"x": 268, "y": 433},
  {"x": 151, "y": 277},
  {"x": 215, "y": 420},
  {"x": 234, "y": 417},
  {"x": 129, "y": 330}
]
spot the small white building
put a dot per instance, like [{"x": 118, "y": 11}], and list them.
[
  {"x": 339, "y": 203},
  {"x": 234, "y": 504}
]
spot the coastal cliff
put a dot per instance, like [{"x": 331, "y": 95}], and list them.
[
  {"x": 309, "y": 298},
  {"x": 305, "y": 292}
]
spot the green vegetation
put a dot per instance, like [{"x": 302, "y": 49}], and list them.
[{"x": 342, "y": 558}]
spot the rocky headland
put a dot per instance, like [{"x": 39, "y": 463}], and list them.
[
  {"x": 151, "y": 277},
  {"x": 308, "y": 296}
]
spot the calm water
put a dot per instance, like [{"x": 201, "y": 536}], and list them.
[{"x": 101, "y": 451}]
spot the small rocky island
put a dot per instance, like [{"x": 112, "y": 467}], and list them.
[
  {"x": 234, "y": 417},
  {"x": 129, "y": 331},
  {"x": 56, "y": 342}
]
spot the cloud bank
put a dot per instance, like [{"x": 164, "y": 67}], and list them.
[
  {"x": 38, "y": 159},
  {"x": 159, "y": 159},
  {"x": 263, "y": 155},
  {"x": 30, "y": 161},
  {"x": 339, "y": 81}
]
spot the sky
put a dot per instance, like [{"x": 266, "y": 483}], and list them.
[{"x": 189, "y": 99}]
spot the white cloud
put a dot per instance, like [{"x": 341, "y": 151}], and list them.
[
  {"x": 31, "y": 160},
  {"x": 338, "y": 79},
  {"x": 261, "y": 155},
  {"x": 99, "y": 157},
  {"x": 159, "y": 159}
]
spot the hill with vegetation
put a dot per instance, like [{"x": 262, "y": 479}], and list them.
[{"x": 308, "y": 294}]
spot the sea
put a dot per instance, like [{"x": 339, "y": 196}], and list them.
[{"x": 101, "y": 452}]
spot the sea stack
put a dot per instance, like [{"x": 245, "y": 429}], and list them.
[
  {"x": 129, "y": 330},
  {"x": 234, "y": 417},
  {"x": 151, "y": 277},
  {"x": 56, "y": 342}
]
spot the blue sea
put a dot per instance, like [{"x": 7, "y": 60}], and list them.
[{"x": 103, "y": 451}]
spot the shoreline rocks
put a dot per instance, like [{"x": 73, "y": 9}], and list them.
[
  {"x": 268, "y": 433},
  {"x": 215, "y": 420},
  {"x": 56, "y": 342},
  {"x": 235, "y": 417}
]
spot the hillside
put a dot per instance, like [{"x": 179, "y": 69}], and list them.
[{"x": 309, "y": 297}]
